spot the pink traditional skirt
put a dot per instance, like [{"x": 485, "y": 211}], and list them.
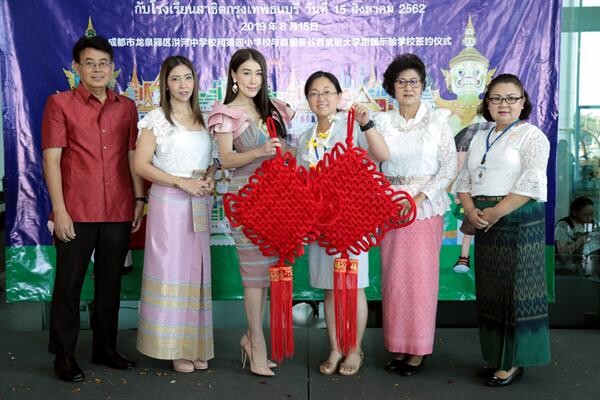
[
  {"x": 175, "y": 318},
  {"x": 410, "y": 263}
]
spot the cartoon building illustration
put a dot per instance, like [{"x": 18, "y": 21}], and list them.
[{"x": 145, "y": 94}]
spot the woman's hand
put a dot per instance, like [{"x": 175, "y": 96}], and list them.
[
  {"x": 406, "y": 209},
  {"x": 419, "y": 198},
  {"x": 209, "y": 184},
  {"x": 268, "y": 149},
  {"x": 475, "y": 218},
  {"x": 491, "y": 216},
  {"x": 195, "y": 187},
  {"x": 362, "y": 114}
]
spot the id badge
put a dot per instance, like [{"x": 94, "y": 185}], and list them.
[
  {"x": 200, "y": 214},
  {"x": 479, "y": 175}
]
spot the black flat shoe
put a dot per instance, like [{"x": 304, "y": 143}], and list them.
[
  {"x": 112, "y": 359},
  {"x": 395, "y": 365},
  {"x": 486, "y": 372},
  {"x": 67, "y": 369},
  {"x": 410, "y": 370},
  {"x": 516, "y": 376}
]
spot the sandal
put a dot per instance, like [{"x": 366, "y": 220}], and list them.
[
  {"x": 349, "y": 369},
  {"x": 330, "y": 368},
  {"x": 200, "y": 364},
  {"x": 462, "y": 265},
  {"x": 183, "y": 365}
]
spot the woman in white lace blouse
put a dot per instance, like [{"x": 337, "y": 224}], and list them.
[
  {"x": 423, "y": 162},
  {"x": 174, "y": 152},
  {"x": 502, "y": 188}
]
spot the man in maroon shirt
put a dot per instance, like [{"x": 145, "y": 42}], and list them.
[{"x": 88, "y": 140}]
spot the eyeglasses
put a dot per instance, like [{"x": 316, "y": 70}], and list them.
[
  {"x": 509, "y": 99},
  {"x": 92, "y": 65},
  {"x": 316, "y": 95},
  {"x": 414, "y": 83}
]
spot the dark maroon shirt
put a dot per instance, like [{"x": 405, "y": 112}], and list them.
[{"x": 95, "y": 139}]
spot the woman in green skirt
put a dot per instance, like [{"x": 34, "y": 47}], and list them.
[{"x": 503, "y": 189}]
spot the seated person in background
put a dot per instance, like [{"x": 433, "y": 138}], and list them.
[{"x": 571, "y": 233}]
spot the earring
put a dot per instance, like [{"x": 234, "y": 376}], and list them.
[{"x": 234, "y": 88}]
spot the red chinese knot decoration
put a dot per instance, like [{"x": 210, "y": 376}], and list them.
[
  {"x": 276, "y": 210},
  {"x": 367, "y": 207},
  {"x": 344, "y": 203}
]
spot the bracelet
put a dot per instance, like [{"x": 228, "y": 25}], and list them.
[
  {"x": 176, "y": 183},
  {"x": 367, "y": 126},
  {"x": 141, "y": 198}
]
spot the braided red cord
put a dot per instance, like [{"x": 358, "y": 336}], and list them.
[
  {"x": 345, "y": 199},
  {"x": 367, "y": 207},
  {"x": 279, "y": 211}
]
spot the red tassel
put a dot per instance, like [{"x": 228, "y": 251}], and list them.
[
  {"x": 276, "y": 315},
  {"x": 286, "y": 282},
  {"x": 339, "y": 299},
  {"x": 282, "y": 324},
  {"x": 351, "y": 305}
]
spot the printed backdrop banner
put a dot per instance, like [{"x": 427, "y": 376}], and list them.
[{"x": 463, "y": 43}]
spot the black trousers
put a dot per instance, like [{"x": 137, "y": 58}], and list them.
[{"x": 110, "y": 240}]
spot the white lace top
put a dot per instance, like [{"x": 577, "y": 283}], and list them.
[
  {"x": 421, "y": 147},
  {"x": 178, "y": 152},
  {"x": 516, "y": 163}
]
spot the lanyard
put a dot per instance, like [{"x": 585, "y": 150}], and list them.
[{"x": 489, "y": 145}]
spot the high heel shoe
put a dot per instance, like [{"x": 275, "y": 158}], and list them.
[
  {"x": 349, "y": 369},
  {"x": 328, "y": 367},
  {"x": 262, "y": 370},
  {"x": 244, "y": 340}
]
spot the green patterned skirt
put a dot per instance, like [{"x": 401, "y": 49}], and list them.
[{"x": 510, "y": 278}]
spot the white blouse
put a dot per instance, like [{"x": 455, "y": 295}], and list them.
[
  {"x": 422, "y": 147},
  {"x": 516, "y": 163},
  {"x": 178, "y": 151}
]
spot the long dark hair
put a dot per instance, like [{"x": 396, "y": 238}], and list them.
[
  {"x": 165, "y": 96},
  {"x": 263, "y": 104}
]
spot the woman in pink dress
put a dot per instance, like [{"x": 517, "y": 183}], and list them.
[
  {"x": 244, "y": 143},
  {"x": 174, "y": 152},
  {"x": 422, "y": 162}
]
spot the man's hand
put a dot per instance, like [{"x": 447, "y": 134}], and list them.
[
  {"x": 138, "y": 214},
  {"x": 63, "y": 226}
]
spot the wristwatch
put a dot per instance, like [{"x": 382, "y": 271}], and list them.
[{"x": 367, "y": 126}]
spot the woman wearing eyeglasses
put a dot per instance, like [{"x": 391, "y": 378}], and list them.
[
  {"x": 422, "y": 162},
  {"x": 323, "y": 92},
  {"x": 503, "y": 189}
]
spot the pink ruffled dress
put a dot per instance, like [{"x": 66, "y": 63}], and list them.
[{"x": 247, "y": 136}]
